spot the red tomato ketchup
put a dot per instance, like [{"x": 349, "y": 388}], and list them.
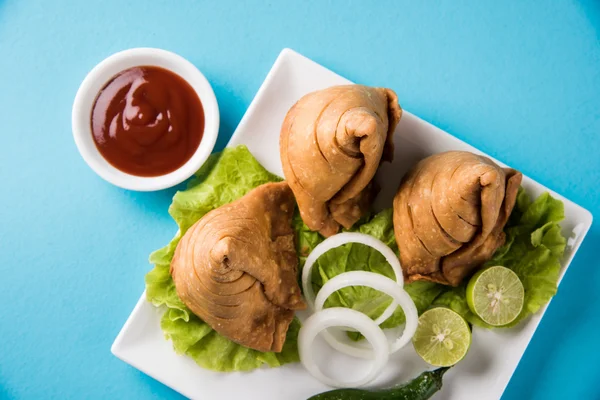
[{"x": 147, "y": 121}]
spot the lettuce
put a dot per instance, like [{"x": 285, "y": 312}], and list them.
[
  {"x": 224, "y": 178},
  {"x": 533, "y": 250}
]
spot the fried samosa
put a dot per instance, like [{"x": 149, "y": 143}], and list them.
[
  {"x": 449, "y": 215},
  {"x": 331, "y": 143},
  {"x": 236, "y": 268}
]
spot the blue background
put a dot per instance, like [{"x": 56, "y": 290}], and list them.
[{"x": 519, "y": 80}]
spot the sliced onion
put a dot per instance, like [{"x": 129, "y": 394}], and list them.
[
  {"x": 339, "y": 240},
  {"x": 377, "y": 282},
  {"x": 342, "y": 317}
]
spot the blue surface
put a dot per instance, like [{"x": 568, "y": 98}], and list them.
[{"x": 519, "y": 80}]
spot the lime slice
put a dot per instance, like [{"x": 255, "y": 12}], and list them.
[
  {"x": 442, "y": 338},
  {"x": 496, "y": 295}
]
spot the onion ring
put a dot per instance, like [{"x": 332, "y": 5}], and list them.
[
  {"x": 378, "y": 282},
  {"x": 339, "y": 240},
  {"x": 342, "y": 317}
]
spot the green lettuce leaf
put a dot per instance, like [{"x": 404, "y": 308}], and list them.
[
  {"x": 423, "y": 293},
  {"x": 213, "y": 351},
  {"x": 306, "y": 240},
  {"x": 533, "y": 250},
  {"x": 224, "y": 178},
  {"x": 455, "y": 299}
]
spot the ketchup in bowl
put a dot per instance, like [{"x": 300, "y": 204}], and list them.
[{"x": 147, "y": 121}]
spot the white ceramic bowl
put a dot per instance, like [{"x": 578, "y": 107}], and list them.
[{"x": 95, "y": 81}]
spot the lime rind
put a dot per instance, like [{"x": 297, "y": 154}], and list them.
[
  {"x": 496, "y": 295},
  {"x": 442, "y": 338}
]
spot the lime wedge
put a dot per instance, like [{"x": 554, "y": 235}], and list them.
[
  {"x": 442, "y": 338},
  {"x": 496, "y": 295}
]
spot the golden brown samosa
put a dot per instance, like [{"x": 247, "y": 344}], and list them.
[
  {"x": 331, "y": 143},
  {"x": 236, "y": 268},
  {"x": 449, "y": 215}
]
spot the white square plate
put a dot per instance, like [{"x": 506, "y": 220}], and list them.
[{"x": 494, "y": 354}]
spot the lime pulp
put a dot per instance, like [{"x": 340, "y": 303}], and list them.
[
  {"x": 496, "y": 295},
  {"x": 442, "y": 338}
]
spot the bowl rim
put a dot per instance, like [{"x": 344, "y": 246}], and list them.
[{"x": 95, "y": 81}]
